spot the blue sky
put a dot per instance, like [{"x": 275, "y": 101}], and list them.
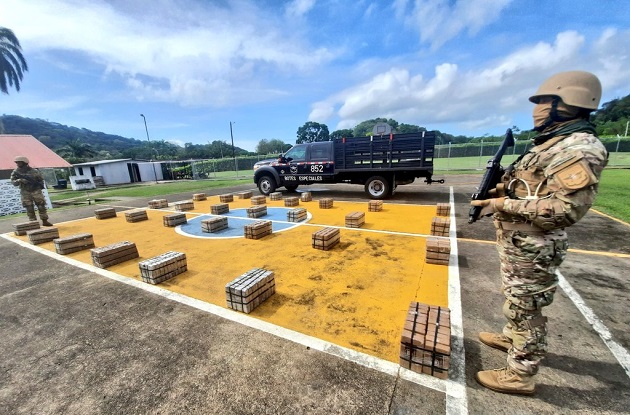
[{"x": 192, "y": 66}]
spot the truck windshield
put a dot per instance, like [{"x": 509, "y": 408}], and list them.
[{"x": 297, "y": 153}]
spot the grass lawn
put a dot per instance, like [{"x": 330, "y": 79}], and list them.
[
  {"x": 148, "y": 190},
  {"x": 613, "y": 198},
  {"x": 614, "y": 194}
]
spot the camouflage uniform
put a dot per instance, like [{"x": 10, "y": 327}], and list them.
[
  {"x": 552, "y": 186},
  {"x": 31, "y": 183}
]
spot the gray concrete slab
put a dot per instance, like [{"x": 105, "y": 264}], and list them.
[{"x": 76, "y": 342}]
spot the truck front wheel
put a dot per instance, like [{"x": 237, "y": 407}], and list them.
[
  {"x": 266, "y": 185},
  {"x": 377, "y": 187}
]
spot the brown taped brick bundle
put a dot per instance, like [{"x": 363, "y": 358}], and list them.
[
  {"x": 174, "y": 219},
  {"x": 443, "y": 209},
  {"x": 136, "y": 215},
  {"x": 244, "y": 195},
  {"x": 162, "y": 267},
  {"x": 296, "y": 215},
  {"x": 198, "y": 197},
  {"x": 440, "y": 226},
  {"x": 249, "y": 290},
  {"x": 113, "y": 254},
  {"x": 105, "y": 213},
  {"x": 326, "y": 238},
  {"x": 355, "y": 219},
  {"x": 226, "y": 198},
  {"x": 306, "y": 197},
  {"x": 258, "y": 229},
  {"x": 220, "y": 209},
  {"x": 291, "y": 201},
  {"x": 438, "y": 251},
  {"x": 74, "y": 243},
  {"x": 184, "y": 205},
  {"x": 276, "y": 196},
  {"x": 326, "y": 203},
  {"x": 158, "y": 203},
  {"x": 256, "y": 211},
  {"x": 375, "y": 205},
  {"x": 22, "y": 228},
  {"x": 258, "y": 200},
  {"x": 215, "y": 224},
  {"x": 39, "y": 236},
  {"x": 425, "y": 345}
]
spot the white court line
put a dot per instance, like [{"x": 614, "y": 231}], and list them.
[
  {"x": 621, "y": 354},
  {"x": 384, "y": 366},
  {"x": 456, "y": 398}
]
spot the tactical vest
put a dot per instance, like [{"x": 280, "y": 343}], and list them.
[{"x": 526, "y": 179}]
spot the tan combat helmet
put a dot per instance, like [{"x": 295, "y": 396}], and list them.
[
  {"x": 576, "y": 88},
  {"x": 22, "y": 159}
]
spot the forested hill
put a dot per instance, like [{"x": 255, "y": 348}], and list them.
[{"x": 56, "y": 136}]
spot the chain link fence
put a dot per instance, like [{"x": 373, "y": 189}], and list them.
[{"x": 447, "y": 157}]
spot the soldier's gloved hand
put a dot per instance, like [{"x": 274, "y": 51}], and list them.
[
  {"x": 498, "y": 191},
  {"x": 489, "y": 206}
]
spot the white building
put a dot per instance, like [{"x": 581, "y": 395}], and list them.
[{"x": 110, "y": 172}]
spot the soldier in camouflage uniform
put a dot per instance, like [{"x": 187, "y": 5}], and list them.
[
  {"x": 31, "y": 184},
  {"x": 545, "y": 190}
]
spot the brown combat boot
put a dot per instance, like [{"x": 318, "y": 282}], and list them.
[
  {"x": 46, "y": 223},
  {"x": 496, "y": 340},
  {"x": 506, "y": 380}
]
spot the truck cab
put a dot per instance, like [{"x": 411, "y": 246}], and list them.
[{"x": 303, "y": 164}]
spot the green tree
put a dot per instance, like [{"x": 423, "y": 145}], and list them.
[
  {"x": 409, "y": 128},
  {"x": 347, "y": 133},
  {"x": 12, "y": 62},
  {"x": 312, "y": 131},
  {"x": 273, "y": 146},
  {"x": 77, "y": 150}
]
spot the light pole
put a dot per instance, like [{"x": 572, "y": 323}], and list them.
[
  {"x": 145, "y": 126},
  {"x": 149, "y": 140},
  {"x": 233, "y": 154}
]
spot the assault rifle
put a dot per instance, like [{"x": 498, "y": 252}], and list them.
[
  {"x": 29, "y": 180},
  {"x": 492, "y": 176}
]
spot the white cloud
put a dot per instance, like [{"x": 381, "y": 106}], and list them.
[
  {"x": 218, "y": 57},
  {"x": 479, "y": 98},
  {"x": 439, "y": 21},
  {"x": 298, "y": 8}
]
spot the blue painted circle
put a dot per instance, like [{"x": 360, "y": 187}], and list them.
[{"x": 237, "y": 219}]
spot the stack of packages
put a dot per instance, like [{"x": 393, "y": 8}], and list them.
[
  {"x": 425, "y": 346},
  {"x": 163, "y": 267},
  {"x": 248, "y": 291}
]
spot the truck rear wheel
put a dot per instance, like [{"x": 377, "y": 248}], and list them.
[
  {"x": 291, "y": 187},
  {"x": 266, "y": 185},
  {"x": 377, "y": 187}
]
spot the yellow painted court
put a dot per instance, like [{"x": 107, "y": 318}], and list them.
[{"x": 355, "y": 295}]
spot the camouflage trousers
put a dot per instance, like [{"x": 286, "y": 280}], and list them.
[
  {"x": 34, "y": 198},
  {"x": 528, "y": 271}
]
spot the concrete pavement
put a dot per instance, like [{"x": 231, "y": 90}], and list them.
[{"x": 76, "y": 342}]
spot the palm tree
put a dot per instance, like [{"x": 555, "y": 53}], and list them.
[
  {"x": 12, "y": 63},
  {"x": 76, "y": 149}
]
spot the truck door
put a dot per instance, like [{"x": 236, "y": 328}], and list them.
[
  {"x": 293, "y": 165},
  {"x": 321, "y": 160}
]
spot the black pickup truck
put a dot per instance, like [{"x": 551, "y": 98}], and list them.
[{"x": 380, "y": 163}]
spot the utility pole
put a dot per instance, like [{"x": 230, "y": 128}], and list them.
[
  {"x": 233, "y": 154},
  {"x": 149, "y": 140}
]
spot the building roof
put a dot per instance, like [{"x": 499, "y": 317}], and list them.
[
  {"x": 38, "y": 154},
  {"x": 100, "y": 162},
  {"x": 95, "y": 163}
]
